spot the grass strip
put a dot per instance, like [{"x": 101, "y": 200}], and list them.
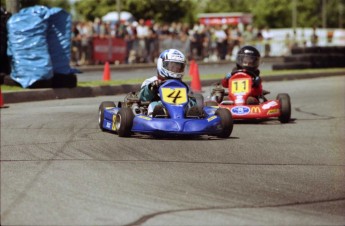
[{"x": 264, "y": 73}]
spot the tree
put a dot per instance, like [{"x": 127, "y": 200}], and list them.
[
  {"x": 214, "y": 6},
  {"x": 64, "y": 4},
  {"x": 278, "y": 13},
  {"x": 272, "y": 13},
  {"x": 90, "y": 9},
  {"x": 162, "y": 11}
]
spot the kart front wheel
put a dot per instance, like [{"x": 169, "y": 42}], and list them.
[
  {"x": 124, "y": 122},
  {"x": 226, "y": 122},
  {"x": 102, "y": 106},
  {"x": 285, "y": 107}
]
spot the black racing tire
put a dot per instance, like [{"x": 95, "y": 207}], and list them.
[
  {"x": 124, "y": 122},
  {"x": 211, "y": 103},
  {"x": 227, "y": 122},
  {"x": 285, "y": 107},
  {"x": 102, "y": 106}
]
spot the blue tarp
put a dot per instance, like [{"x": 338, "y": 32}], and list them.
[
  {"x": 59, "y": 40},
  {"x": 39, "y": 44}
]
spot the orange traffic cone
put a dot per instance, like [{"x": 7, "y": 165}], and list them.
[
  {"x": 191, "y": 67},
  {"x": 194, "y": 72},
  {"x": 106, "y": 72}
]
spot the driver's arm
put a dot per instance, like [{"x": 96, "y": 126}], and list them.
[{"x": 146, "y": 93}]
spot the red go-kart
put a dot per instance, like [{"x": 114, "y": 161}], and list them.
[{"x": 238, "y": 96}]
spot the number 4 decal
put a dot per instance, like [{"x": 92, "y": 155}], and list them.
[
  {"x": 174, "y": 96},
  {"x": 177, "y": 96}
]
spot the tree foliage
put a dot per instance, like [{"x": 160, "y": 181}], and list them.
[
  {"x": 271, "y": 13},
  {"x": 90, "y": 9},
  {"x": 278, "y": 13},
  {"x": 214, "y": 6},
  {"x": 49, "y": 3},
  {"x": 158, "y": 10},
  {"x": 163, "y": 11}
]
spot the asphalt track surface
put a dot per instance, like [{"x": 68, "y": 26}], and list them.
[{"x": 58, "y": 168}]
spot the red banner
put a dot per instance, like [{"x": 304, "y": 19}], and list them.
[
  {"x": 223, "y": 18},
  {"x": 109, "y": 49}
]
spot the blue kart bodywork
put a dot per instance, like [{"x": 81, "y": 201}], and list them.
[{"x": 174, "y": 98}]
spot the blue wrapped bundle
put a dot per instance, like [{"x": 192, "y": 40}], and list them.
[
  {"x": 59, "y": 40},
  {"x": 39, "y": 43},
  {"x": 27, "y": 46}
]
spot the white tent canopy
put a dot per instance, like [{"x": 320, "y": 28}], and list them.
[{"x": 113, "y": 16}]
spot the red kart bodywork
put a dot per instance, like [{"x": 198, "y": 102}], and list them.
[{"x": 240, "y": 88}]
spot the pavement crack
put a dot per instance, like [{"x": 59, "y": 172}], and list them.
[
  {"x": 315, "y": 114},
  {"x": 147, "y": 217}
]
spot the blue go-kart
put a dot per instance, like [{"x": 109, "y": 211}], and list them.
[{"x": 173, "y": 119}]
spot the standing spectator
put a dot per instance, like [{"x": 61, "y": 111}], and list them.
[
  {"x": 86, "y": 41},
  {"x": 213, "y": 46},
  {"x": 259, "y": 42},
  {"x": 236, "y": 41},
  {"x": 164, "y": 38},
  {"x": 96, "y": 28},
  {"x": 221, "y": 39},
  {"x": 303, "y": 40},
  {"x": 267, "y": 36},
  {"x": 185, "y": 42},
  {"x": 249, "y": 35},
  {"x": 193, "y": 42},
  {"x": 142, "y": 34},
  {"x": 294, "y": 39},
  {"x": 103, "y": 29},
  {"x": 288, "y": 44},
  {"x": 314, "y": 38},
  {"x": 76, "y": 45},
  {"x": 199, "y": 38},
  {"x": 207, "y": 43},
  {"x": 130, "y": 36},
  {"x": 152, "y": 44}
]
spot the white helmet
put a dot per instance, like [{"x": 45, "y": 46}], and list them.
[{"x": 171, "y": 64}]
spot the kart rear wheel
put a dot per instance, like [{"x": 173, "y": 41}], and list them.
[
  {"x": 102, "y": 106},
  {"x": 227, "y": 122},
  {"x": 285, "y": 107},
  {"x": 124, "y": 122}
]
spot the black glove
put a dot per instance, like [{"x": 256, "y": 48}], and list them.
[
  {"x": 256, "y": 81},
  {"x": 155, "y": 84}
]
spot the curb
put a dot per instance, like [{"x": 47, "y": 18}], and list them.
[{"x": 80, "y": 92}]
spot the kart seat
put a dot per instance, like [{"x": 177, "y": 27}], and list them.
[
  {"x": 160, "y": 112},
  {"x": 195, "y": 112}
]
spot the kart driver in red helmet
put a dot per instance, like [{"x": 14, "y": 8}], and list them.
[{"x": 248, "y": 61}]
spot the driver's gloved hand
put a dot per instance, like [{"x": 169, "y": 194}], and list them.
[
  {"x": 228, "y": 75},
  {"x": 155, "y": 84},
  {"x": 256, "y": 81}
]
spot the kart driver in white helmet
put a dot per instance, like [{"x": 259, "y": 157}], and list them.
[{"x": 170, "y": 65}]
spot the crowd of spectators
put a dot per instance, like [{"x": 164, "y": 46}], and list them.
[{"x": 146, "y": 39}]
